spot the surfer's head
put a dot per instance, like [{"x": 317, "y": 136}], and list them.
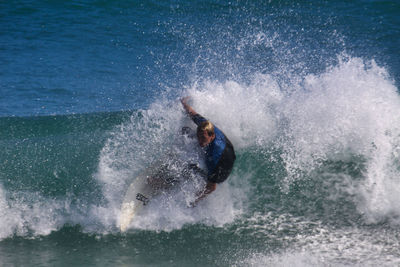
[{"x": 205, "y": 133}]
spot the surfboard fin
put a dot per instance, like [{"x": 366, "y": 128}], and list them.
[{"x": 142, "y": 198}]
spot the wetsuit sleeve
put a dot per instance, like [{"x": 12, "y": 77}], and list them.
[{"x": 198, "y": 119}]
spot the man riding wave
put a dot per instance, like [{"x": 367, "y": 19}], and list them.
[{"x": 219, "y": 151}]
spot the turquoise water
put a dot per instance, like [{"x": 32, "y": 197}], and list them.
[{"x": 307, "y": 91}]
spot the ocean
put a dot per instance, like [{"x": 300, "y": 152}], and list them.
[{"x": 307, "y": 92}]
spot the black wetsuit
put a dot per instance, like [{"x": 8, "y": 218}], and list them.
[{"x": 220, "y": 154}]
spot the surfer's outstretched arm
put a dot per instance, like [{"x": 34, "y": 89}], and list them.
[{"x": 209, "y": 188}]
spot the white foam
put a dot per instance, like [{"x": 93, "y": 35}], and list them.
[
  {"x": 29, "y": 214},
  {"x": 295, "y": 259},
  {"x": 247, "y": 113},
  {"x": 132, "y": 147},
  {"x": 340, "y": 112},
  {"x": 312, "y": 243},
  {"x": 348, "y": 110}
]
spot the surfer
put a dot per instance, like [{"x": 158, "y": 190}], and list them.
[{"x": 219, "y": 151}]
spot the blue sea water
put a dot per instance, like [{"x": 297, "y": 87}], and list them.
[{"x": 307, "y": 91}]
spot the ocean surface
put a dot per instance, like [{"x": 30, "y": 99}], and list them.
[{"x": 307, "y": 91}]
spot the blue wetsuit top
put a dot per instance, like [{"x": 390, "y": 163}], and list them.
[{"x": 220, "y": 154}]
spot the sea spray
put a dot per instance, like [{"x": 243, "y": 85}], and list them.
[
  {"x": 347, "y": 111},
  {"x": 149, "y": 136},
  {"x": 339, "y": 115},
  {"x": 30, "y": 214},
  {"x": 333, "y": 139}
]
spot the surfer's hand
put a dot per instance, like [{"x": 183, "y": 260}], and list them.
[
  {"x": 184, "y": 100},
  {"x": 187, "y": 107}
]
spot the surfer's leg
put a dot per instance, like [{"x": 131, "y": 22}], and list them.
[
  {"x": 162, "y": 181},
  {"x": 191, "y": 170},
  {"x": 154, "y": 182}
]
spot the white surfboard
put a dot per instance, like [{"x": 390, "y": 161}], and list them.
[
  {"x": 145, "y": 186},
  {"x": 137, "y": 196}
]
